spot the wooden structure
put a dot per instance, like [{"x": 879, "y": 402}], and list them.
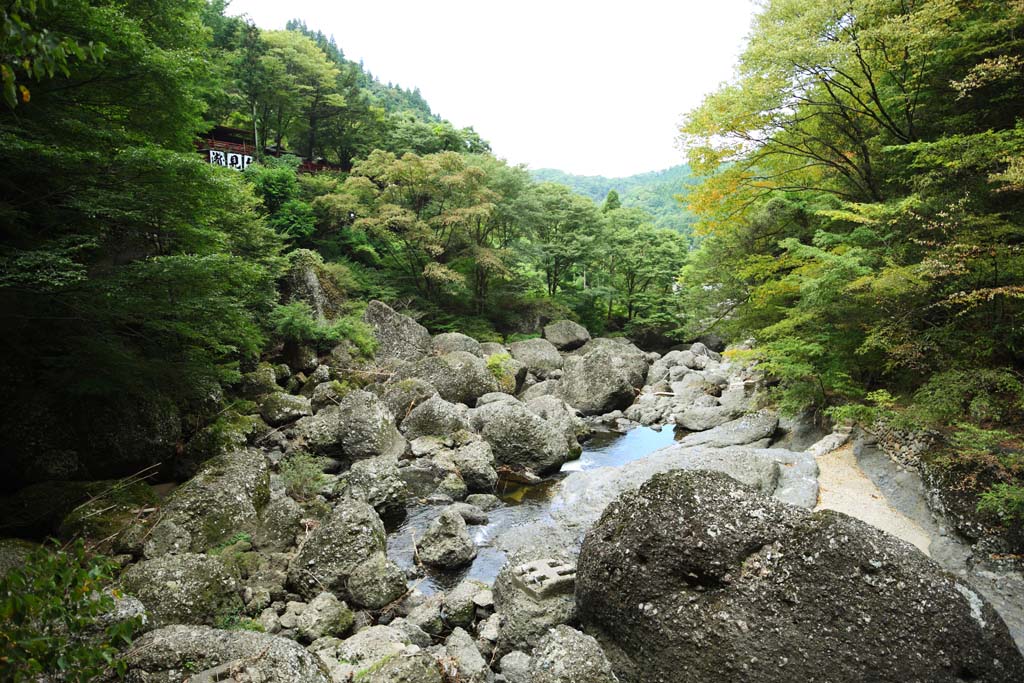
[{"x": 234, "y": 148}]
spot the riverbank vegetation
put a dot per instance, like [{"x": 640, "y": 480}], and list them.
[{"x": 862, "y": 214}]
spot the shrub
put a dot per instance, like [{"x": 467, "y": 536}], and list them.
[
  {"x": 295, "y": 322},
  {"x": 303, "y": 476},
  {"x": 1004, "y": 501},
  {"x": 51, "y": 608},
  {"x": 498, "y": 364}
]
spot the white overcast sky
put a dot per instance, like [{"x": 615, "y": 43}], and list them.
[{"x": 592, "y": 88}]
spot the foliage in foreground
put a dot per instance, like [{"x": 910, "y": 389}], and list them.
[{"x": 52, "y": 608}]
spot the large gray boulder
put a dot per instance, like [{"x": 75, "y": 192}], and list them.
[
  {"x": 459, "y": 376},
  {"x": 739, "y": 432},
  {"x": 324, "y": 615},
  {"x": 527, "y": 614},
  {"x": 447, "y": 342},
  {"x": 376, "y": 582},
  {"x": 446, "y": 543},
  {"x": 358, "y": 656},
  {"x": 548, "y": 387},
  {"x": 475, "y": 462},
  {"x": 376, "y": 481},
  {"x": 280, "y": 408},
  {"x": 697, "y": 577},
  {"x": 183, "y": 589},
  {"x": 594, "y": 384},
  {"x": 224, "y": 499},
  {"x": 564, "y": 655},
  {"x": 698, "y": 418},
  {"x": 566, "y": 335},
  {"x": 179, "y": 653},
  {"x": 403, "y": 396},
  {"x": 625, "y": 356},
  {"x": 435, "y": 417},
  {"x": 361, "y": 426},
  {"x": 469, "y": 663},
  {"x": 521, "y": 439},
  {"x": 414, "y": 668},
  {"x": 398, "y": 336},
  {"x": 563, "y": 416},
  {"x": 539, "y": 356},
  {"x": 348, "y": 537}
]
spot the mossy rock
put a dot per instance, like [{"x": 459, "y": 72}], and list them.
[{"x": 231, "y": 431}]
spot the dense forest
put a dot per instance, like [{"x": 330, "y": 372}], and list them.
[
  {"x": 861, "y": 216},
  {"x": 660, "y": 193},
  {"x": 140, "y": 280}
]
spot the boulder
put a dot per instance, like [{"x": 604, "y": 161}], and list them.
[
  {"x": 475, "y": 462},
  {"x": 564, "y": 655},
  {"x": 327, "y": 394},
  {"x": 231, "y": 431},
  {"x": 530, "y": 607},
  {"x": 398, "y": 336},
  {"x": 738, "y": 586},
  {"x": 515, "y": 667},
  {"x": 469, "y": 663},
  {"x": 434, "y": 417},
  {"x": 324, "y": 615},
  {"x": 259, "y": 382},
  {"x": 178, "y": 653},
  {"x": 484, "y": 501},
  {"x": 625, "y": 356},
  {"x": 566, "y": 335},
  {"x": 280, "y": 408},
  {"x": 739, "y": 432},
  {"x": 403, "y": 396},
  {"x": 361, "y": 426},
  {"x": 594, "y": 385},
  {"x": 376, "y": 481},
  {"x": 495, "y": 397},
  {"x": 459, "y": 605},
  {"x": 521, "y": 439},
  {"x": 538, "y": 355},
  {"x": 563, "y": 416},
  {"x": 377, "y": 582},
  {"x": 280, "y": 524},
  {"x": 548, "y": 387},
  {"x": 223, "y": 500},
  {"x": 492, "y": 348},
  {"x": 454, "y": 341},
  {"x": 459, "y": 376},
  {"x": 698, "y": 418},
  {"x": 348, "y": 537},
  {"x": 446, "y": 543},
  {"x": 183, "y": 589},
  {"x": 359, "y": 655},
  {"x": 414, "y": 668}
]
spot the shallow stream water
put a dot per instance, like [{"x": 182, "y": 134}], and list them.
[{"x": 523, "y": 504}]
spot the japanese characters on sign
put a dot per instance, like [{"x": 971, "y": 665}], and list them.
[{"x": 230, "y": 159}]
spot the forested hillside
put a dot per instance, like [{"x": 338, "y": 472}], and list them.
[
  {"x": 862, "y": 214},
  {"x": 660, "y": 193},
  {"x": 141, "y": 281}
]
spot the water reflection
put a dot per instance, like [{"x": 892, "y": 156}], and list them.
[{"x": 523, "y": 504}]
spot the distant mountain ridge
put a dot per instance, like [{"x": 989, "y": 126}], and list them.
[{"x": 654, "y": 192}]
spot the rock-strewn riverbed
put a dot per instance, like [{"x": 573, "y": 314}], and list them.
[{"x": 432, "y": 522}]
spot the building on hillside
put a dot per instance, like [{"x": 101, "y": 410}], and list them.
[{"x": 234, "y": 148}]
